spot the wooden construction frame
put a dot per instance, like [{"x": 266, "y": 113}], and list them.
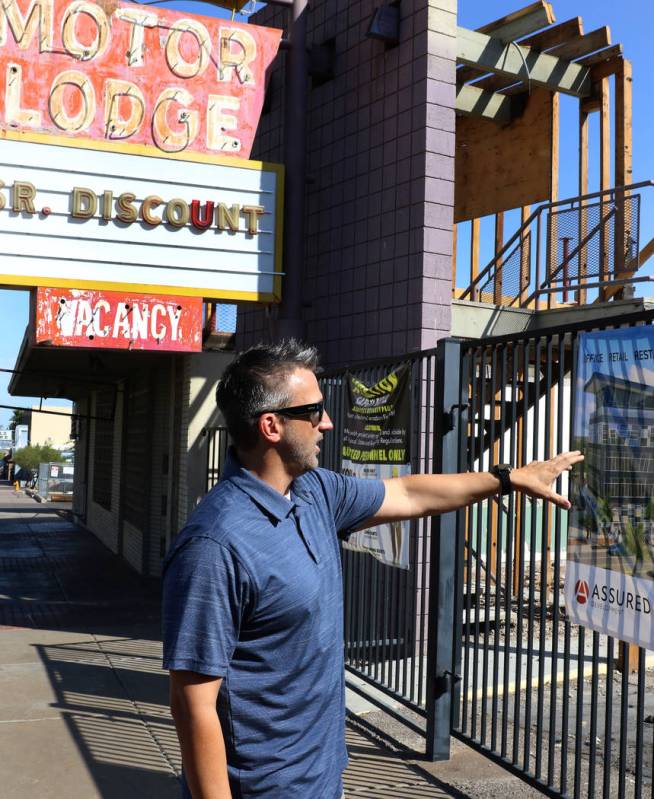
[{"x": 500, "y": 63}]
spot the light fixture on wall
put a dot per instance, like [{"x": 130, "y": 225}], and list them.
[{"x": 385, "y": 25}]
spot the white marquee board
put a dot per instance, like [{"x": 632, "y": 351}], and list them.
[{"x": 57, "y": 249}]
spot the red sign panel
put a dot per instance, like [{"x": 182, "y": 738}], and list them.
[
  {"x": 106, "y": 319},
  {"x": 124, "y": 72}
]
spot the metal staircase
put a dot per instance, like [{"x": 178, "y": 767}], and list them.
[{"x": 567, "y": 251}]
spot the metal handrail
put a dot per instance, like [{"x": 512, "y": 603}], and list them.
[{"x": 520, "y": 233}]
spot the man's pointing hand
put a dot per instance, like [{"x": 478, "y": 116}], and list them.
[{"x": 536, "y": 478}]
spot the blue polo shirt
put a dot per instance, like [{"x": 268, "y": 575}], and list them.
[{"x": 253, "y": 594}]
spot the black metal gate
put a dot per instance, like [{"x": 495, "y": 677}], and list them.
[
  {"x": 474, "y": 637},
  {"x": 386, "y": 608},
  {"x": 552, "y": 702}
]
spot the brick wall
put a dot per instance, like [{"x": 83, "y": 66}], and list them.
[{"x": 377, "y": 278}]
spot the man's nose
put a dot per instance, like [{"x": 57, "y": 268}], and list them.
[{"x": 325, "y": 423}]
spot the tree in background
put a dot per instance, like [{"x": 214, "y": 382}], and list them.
[
  {"x": 634, "y": 541},
  {"x": 30, "y": 457},
  {"x": 588, "y": 522},
  {"x": 604, "y": 514},
  {"x": 19, "y": 416}
]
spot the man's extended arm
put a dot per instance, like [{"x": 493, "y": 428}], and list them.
[
  {"x": 193, "y": 706},
  {"x": 419, "y": 495}
]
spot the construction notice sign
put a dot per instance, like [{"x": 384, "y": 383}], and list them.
[
  {"x": 376, "y": 438},
  {"x": 609, "y": 581},
  {"x": 109, "y": 320},
  {"x": 122, "y": 72}
]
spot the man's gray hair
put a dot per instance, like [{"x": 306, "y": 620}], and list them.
[{"x": 257, "y": 380}]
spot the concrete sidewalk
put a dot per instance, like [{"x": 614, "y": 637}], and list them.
[{"x": 83, "y": 700}]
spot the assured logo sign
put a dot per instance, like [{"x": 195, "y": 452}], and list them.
[
  {"x": 582, "y": 591},
  {"x": 118, "y": 321},
  {"x": 120, "y": 72}
]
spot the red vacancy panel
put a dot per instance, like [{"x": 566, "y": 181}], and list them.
[{"x": 112, "y": 320}]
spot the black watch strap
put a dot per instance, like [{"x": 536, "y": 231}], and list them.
[{"x": 503, "y": 472}]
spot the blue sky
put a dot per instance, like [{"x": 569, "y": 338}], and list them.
[{"x": 631, "y": 23}]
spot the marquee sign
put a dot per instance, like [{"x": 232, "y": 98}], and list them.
[
  {"x": 109, "y": 320},
  {"x": 117, "y": 71},
  {"x": 191, "y": 224}
]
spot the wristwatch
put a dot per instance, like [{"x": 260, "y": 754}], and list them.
[{"x": 503, "y": 473}]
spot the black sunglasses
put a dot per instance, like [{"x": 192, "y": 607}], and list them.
[{"x": 313, "y": 412}]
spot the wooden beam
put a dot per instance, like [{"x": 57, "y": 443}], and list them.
[
  {"x": 501, "y": 29},
  {"x": 582, "y": 267},
  {"x": 570, "y": 50},
  {"x": 511, "y": 60},
  {"x": 606, "y": 68},
  {"x": 554, "y": 35},
  {"x": 646, "y": 253},
  {"x": 623, "y": 167},
  {"x": 496, "y": 83},
  {"x": 471, "y": 101},
  {"x": 605, "y": 174},
  {"x": 554, "y": 192},
  {"x": 525, "y": 258},
  {"x": 520, "y": 23},
  {"x": 499, "y": 242},
  {"x": 583, "y": 45},
  {"x": 607, "y": 54},
  {"x": 554, "y": 174},
  {"x": 623, "y": 125},
  {"x": 475, "y": 229}
]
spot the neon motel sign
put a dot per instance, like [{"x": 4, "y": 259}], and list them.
[{"x": 122, "y": 72}]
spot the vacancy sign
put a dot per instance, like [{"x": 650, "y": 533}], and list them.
[
  {"x": 109, "y": 320},
  {"x": 121, "y": 72}
]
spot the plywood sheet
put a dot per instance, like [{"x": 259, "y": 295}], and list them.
[{"x": 500, "y": 168}]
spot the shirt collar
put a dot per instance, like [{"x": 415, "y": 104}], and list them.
[{"x": 271, "y": 501}]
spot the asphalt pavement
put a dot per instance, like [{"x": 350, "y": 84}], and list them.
[{"x": 83, "y": 698}]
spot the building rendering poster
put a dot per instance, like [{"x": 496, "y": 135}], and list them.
[
  {"x": 609, "y": 582},
  {"x": 376, "y": 445}
]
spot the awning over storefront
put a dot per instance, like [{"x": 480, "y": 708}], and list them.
[{"x": 44, "y": 371}]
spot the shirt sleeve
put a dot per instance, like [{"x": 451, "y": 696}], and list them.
[
  {"x": 205, "y": 596},
  {"x": 352, "y": 499}
]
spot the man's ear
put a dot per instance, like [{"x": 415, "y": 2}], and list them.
[{"x": 270, "y": 427}]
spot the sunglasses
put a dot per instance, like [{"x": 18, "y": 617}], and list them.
[{"x": 313, "y": 412}]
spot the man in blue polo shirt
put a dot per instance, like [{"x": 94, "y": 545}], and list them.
[{"x": 253, "y": 616}]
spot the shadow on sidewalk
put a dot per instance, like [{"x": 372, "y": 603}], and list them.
[
  {"x": 80, "y": 666},
  {"x": 113, "y": 697}
]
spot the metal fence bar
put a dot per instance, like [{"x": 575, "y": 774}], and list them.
[
  {"x": 441, "y": 655},
  {"x": 640, "y": 718},
  {"x": 498, "y": 407},
  {"x": 510, "y": 537}
]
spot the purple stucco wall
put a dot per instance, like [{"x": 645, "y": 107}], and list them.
[{"x": 380, "y": 189}]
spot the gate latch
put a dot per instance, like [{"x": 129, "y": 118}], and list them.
[
  {"x": 449, "y": 418},
  {"x": 445, "y": 681}
]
